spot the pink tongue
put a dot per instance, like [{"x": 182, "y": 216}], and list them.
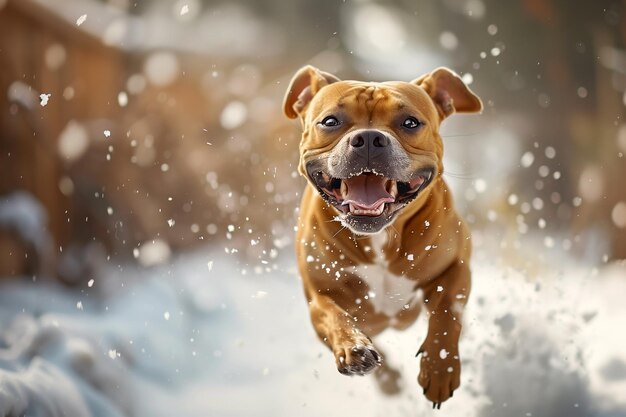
[{"x": 367, "y": 191}]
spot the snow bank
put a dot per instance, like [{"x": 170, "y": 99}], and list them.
[
  {"x": 180, "y": 339},
  {"x": 23, "y": 214}
]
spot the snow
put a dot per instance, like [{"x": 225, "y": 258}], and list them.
[
  {"x": 162, "y": 68},
  {"x": 135, "y": 84},
  {"x": 43, "y": 99},
  {"x": 468, "y": 78},
  {"x": 618, "y": 215},
  {"x": 44, "y": 385},
  {"x": 22, "y": 93},
  {"x": 23, "y": 214},
  {"x": 234, "y": 115},
  {"x": 73, "y": 141},
  {"x": 122, "y": 99},
  {"x": 448, "y": 40},
  {"x": 81, "y": 20},
  {"x": 177, "y": 336},
  {"x": 153, "y": 252},
  {"x": 527, "y": 159},
  {"x": 480, "y": 185}
]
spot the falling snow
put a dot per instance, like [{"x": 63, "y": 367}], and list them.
[
  {"x": 81, "y": 20},
  {"x": 539, "y": 186},
  {"x": 43, "y": 99}
]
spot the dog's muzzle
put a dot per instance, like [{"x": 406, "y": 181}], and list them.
[{"x": 367, "y": 177}]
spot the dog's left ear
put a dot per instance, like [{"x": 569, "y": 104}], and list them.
[
  {"x": 449, "y": 92},
  {"x": 303, "y": 86}
]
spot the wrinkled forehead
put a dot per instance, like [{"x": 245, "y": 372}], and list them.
[{"x": 372, "y": 98}]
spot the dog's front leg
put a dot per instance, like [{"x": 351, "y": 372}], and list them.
[
  {"x": 354, "y": 352},
  {"x": 440, "y": 366}
]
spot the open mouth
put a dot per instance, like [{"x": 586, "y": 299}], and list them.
[{"x": 369, "y": 193}]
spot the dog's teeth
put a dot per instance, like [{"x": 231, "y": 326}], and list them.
[
  {"x": 393, "y": 190},
  {"x": 344, "y": 189},
  {"x": 375, "y": 212}
]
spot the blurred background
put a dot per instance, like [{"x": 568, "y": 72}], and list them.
[
  {"x": 163, "y": 123},
  {"x": 136, "y": 133}
]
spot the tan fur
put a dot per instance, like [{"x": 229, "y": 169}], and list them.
[{"x": 342, "y": 315}]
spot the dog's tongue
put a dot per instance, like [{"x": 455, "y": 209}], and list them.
[{"x": 367, "y": 191}]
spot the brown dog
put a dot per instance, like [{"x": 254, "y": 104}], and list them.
[{"x": 377, "y": 221}]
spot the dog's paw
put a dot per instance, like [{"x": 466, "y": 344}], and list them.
[
  {"x": 357, "y": 356},
  {"x": 440, "y": 375}
]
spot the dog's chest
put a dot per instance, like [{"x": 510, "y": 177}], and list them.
[{"x": 388, "y": 293}]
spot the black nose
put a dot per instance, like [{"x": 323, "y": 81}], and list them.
[
  {"x": 369, "y": 144},
  {"x": 369, "y": 139}
]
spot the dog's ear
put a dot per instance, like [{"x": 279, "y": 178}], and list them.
[
  {"x": 449, "y": 92},
  {"x": 303, "y": 86}
]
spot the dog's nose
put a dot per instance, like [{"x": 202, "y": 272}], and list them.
[
  {"x": 369, "y": 139},
  {"x": 369, "y": 144}
]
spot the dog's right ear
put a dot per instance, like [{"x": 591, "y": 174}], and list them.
[{"x": 307, "y": 82}]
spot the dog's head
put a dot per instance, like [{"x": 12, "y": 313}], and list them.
[{"x": 371, "y": 148}]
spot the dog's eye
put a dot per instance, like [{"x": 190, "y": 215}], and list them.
[
  {"x": 330, "y": 121},
  {"x": 411, "y": 123}
]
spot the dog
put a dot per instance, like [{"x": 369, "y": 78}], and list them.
[{"x": 377, "y": 226}]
